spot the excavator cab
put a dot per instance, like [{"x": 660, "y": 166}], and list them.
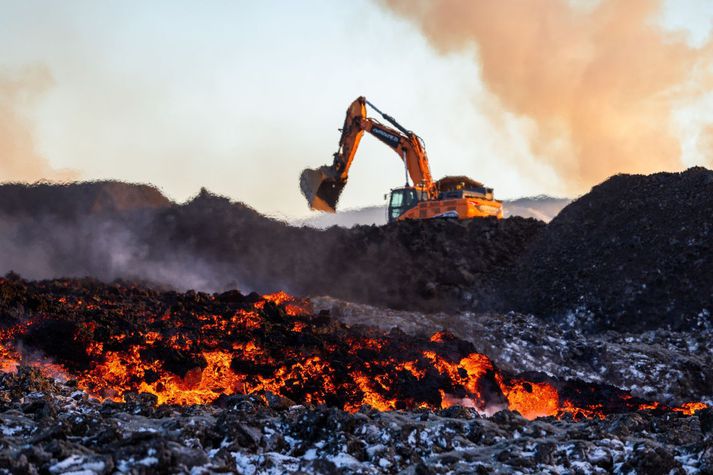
[{"x": 400, "y": 201}]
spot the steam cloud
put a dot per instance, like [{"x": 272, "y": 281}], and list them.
[
  {"x": 705, "y": 142},
  {"x": 600, "y": 83},
  {"x": 19, "y": 158}
]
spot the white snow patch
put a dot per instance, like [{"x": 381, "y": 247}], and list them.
[
  {"x": 148, "y": 461},
  {"x": 10, "y": 431},
  {"x": 343, "y": 460},
  {"x": 244, "y": 463},
  {"x": 65, "y": 464},
  {"x": 689, "y": 462}
]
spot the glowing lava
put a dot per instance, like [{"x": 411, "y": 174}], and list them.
[{"x": 194, "y": 348}]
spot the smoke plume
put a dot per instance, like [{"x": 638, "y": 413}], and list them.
[
  {"x": 599, "y": 82},
  {"x": 19, "y": 158},
  {"x": 704, "y": 144}
]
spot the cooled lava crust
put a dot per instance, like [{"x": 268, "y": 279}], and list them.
[{"x": 193, "y": 348}]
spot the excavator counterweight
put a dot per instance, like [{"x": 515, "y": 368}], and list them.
[{"x": 456, "y": 197}]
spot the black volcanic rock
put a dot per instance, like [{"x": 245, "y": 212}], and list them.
[
  {"x": 636, "y": 253},
  {"x": 47, "y": 427}
]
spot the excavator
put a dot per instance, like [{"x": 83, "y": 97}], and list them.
[{"x": 450, "y": 197}]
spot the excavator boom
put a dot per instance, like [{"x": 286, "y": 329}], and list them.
[{"x": 322, "y": 187}]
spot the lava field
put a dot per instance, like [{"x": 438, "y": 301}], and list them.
[
  {"x": 193, "y": 348},
  {"x": 578, "y": 346},
  {"x": 136, "y": 360}
]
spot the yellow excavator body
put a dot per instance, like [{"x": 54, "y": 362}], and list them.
[{"x": 450, "y": 197}]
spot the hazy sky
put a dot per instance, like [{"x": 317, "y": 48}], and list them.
[{"x": 239, "y": 97}]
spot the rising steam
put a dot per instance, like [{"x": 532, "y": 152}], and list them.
[
  {"x": 19, "y": 158},
  {"x": 705, "y": 142},
  {"x": 599, "y": 82}
]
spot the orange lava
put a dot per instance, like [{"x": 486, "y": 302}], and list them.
[
  {"x": 648, "y": 406},
  {"x": 576, "y": 412},
  {"x": 194, "y": 358},
  {"x": 371, "y": 397},
  {"x": 119, "y": 372},
  {"x": 690, "y": 408},
  {"x": 292, "y": 305},
  {"x": 532, "y": 400}
]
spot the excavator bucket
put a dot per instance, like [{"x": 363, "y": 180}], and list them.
[{"x": 321, "y": 189}]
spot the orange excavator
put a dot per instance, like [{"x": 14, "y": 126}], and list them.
[{"x": 450, "y": 197}]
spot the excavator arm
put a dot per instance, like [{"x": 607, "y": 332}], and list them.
[{"x": 323, "y": 186}]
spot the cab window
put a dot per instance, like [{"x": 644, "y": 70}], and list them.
[{"x": 401, "y": 201}]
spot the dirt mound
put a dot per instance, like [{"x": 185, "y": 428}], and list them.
[
  {"x": 77, "y": 198},
  {"x": 211, "y": 243},
  {"x": 426, "y": 264},
  {"x": 636, "y": 252}
]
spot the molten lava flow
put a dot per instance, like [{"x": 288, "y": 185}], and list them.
[
  {"x": 532, "y": 400},
  {"x": 292, "y": 305},
  {"x": 194, "y": 348},
  {"x": 690, "y": 408},
  {"x": 11, "y": 357},
  {"x": 649, "y": 406},
  {"x": 121, "y": 373},
  {"x": 369, "y": 396},
  {"x": 586, "y": 412}
]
